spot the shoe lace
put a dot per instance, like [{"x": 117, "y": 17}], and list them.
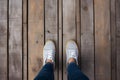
[
  {"x": 72, "y": 53},
  {"x": 50, "y": 54}
]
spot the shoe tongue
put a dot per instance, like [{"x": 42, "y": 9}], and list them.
[
  {"x": 50, "y": 54},
  {"x": 72, "y": 53},
  {"x": 49, "y": 57}
]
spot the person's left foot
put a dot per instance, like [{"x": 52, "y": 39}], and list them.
[
  {"x": 72, "y": 51},
  {"x": 49, "y": 52}
]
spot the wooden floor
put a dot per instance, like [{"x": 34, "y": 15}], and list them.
[{"x": 25, "y": 25}]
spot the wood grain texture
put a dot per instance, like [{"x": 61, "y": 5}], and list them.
[
  {"x": 93, "y": 24},
  {"x": 118, "y": 39},
  {"x": 25, "y": 36},
  {"x": 15, "y": 39},
  {"x": 87, "y": 38},
  {"x": 51, "y": 28},
  {"x": 113, "y": 39},
  {"x": 25, "y": 55},
  {"x": 35, "y": 37},
  {"x": 3, "y": 39},
  {"x": 102, "y": 40},
  {"x": 60, "y": 38},
  {"x": 118, "y": 18},
  {"x": 118, "y": 58},
  {"x": 51, "y": 17},
  {"x": 78, "y": 28},
  {"x": 69, "y": 28}
]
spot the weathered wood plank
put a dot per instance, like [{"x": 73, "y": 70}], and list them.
[
  {"x": 117, "y": 18},
  {"x": 78, "y": 28},
  {"x": 118, "y": 58},
  {"x": 3, "y": 39},
  {"x": 51, "y": 27},
  {"x": 60, "y": 38},
  {"x": 102, "y": 40},
  {"x": 35, "y": 37},
  {"x": 25, "y": 55},
  {"x": 3, "y": 10},
  {"x": 118, "y": 39},
  {"x": 15, "y": 39},
  {"x": 69, "y": 28},
  {"x": 87, "y": 38},
  {"x": 113, "y": 40},
  {"x": 25, "y": 36},
  {"x": 25, "y": 11}
]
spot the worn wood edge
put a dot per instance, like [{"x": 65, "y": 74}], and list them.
[
  {"x": 118, "y": 58},
  {"x": 60, "y": 40},
  {"x": 113, "y": 39},
  {"x": 78, "y": 28},
  {"x": 24, "y": 34}
]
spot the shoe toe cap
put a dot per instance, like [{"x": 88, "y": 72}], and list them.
[
  {"x": 49, "y": 45},
  {"x": 71, "y": 45}
]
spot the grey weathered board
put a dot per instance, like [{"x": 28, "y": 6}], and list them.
[
  {"x": 118, "y": 58},
  {"x": 113, "y": 39},
  {"x": 102, "y": 40},
  {"x": 60, "y": 38},
  {"x": 69, "y": 28},
  {"x": 3, "y": 39},
  {"x": 35, "y": 37},
  {"x": 25, "y": 44},
  {"x": 78, "y": 28},
  {"x": 51, "y": 27},
  {"x": 87, "y": 38},
  {"x": 118, "y": 39},
  {"x": 15, "y": 40}
]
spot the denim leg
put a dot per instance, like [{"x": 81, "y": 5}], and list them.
[
  {"x": 74, "y": 72},
  {"x": 46, "y": 73}
]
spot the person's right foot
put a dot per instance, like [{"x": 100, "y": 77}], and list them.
[
  {"x": 49, "y": 52},
  {"x": 72, "y": 52}
]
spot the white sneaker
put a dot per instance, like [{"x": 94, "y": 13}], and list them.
[
  {"x": 49, "y": 51},
  {"x": 72, "y": 50}
]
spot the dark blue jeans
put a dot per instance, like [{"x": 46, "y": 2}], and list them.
[{"x": 74, "y": 73}]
